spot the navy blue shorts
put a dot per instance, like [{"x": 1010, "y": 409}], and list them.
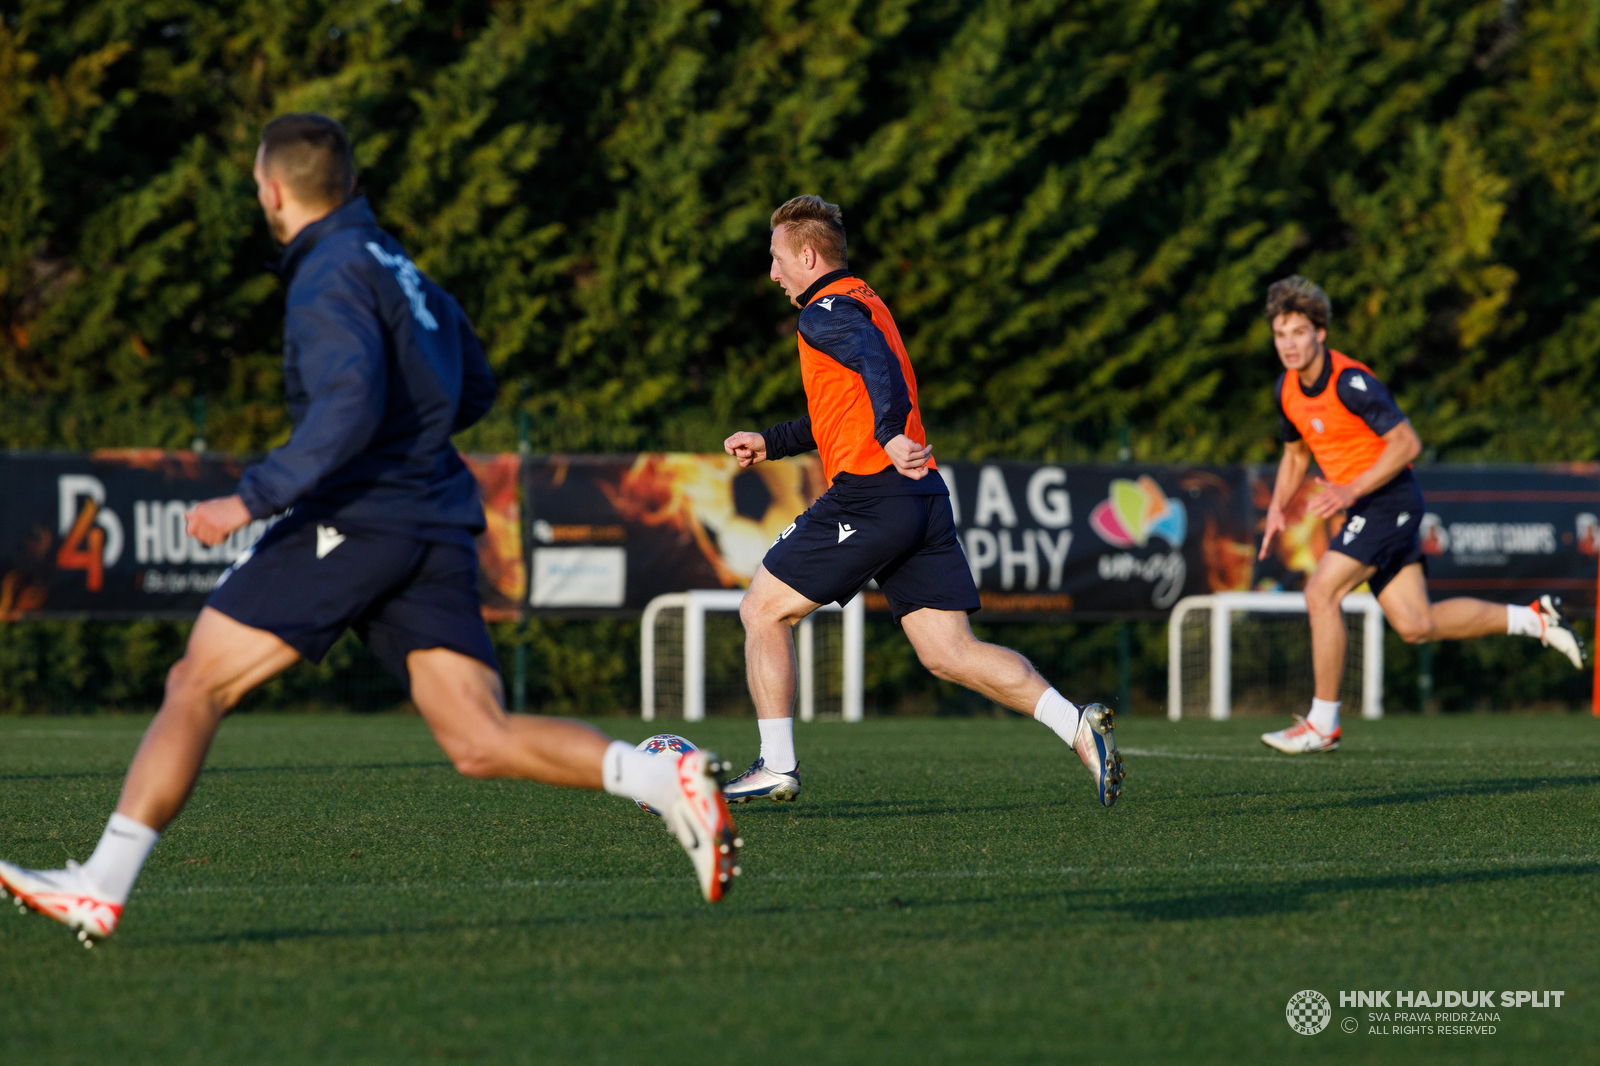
[
  {"x": 908, "y": 543},
  {"x": 1383, "y": 530},
  {"x": 306, "y": 583}
]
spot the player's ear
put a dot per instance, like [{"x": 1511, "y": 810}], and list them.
[{"x": 1322, "y": 335}]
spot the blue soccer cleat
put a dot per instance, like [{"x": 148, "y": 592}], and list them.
[{"x": 1098, "y": 750}]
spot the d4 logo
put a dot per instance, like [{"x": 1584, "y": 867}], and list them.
[{"x": 91, "y": 535}]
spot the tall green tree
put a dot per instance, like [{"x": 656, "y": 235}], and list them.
[{"x": 1073, "y": 207}]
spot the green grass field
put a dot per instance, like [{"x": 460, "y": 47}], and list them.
[{"x": 944, "y": 891}]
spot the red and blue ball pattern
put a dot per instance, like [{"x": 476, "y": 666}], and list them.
[{"x": 663, "y": 744}]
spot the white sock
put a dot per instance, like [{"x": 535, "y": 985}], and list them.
[
  {"x": 1523, "y": 621},
  {"x": 1324, "y": 716},
  {"x": 1057, "y": 712},
  {"x": 639, "y": 775},
  {"x": 116, "y": 862},
  {"x": 777, "y": 744}
]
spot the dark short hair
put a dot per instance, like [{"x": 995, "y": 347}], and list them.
[
  {"x": 1297, "y": 294},
  {"x": 814, "y": 221},
  {"x": 310, "y": 154}
]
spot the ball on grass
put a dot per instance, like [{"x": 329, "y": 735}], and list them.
[{"x": 663, "y": 744}]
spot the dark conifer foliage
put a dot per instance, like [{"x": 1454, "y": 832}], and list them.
[{"x": 1074, "y": 208}]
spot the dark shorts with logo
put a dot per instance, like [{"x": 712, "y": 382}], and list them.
[
  {"x": 1383, "y": 530},
  {"x": 907, "y": 543},
  {"x": 400, "y": 594}
]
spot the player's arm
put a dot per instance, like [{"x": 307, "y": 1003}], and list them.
[
  {"x": 777, "y": 442},
  {"x": 1367, "y": 398},
  {"x": 1291, "y": 474},
  {"x": 1401, "y": 446},
  {"x": 844, "y": 332},
  {"x": 344, "y": 369},
  {"x": 1291, "y": 471}
]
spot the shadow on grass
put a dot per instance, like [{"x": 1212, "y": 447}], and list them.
[
  {"x": 425, "y": 927},
  {"x": 1504, "y": 786},
  {"x": 880, "y": 808},
  {"x": 1292, "y": 896}
]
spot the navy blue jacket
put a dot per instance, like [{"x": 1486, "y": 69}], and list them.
[{"x": 381, "y": 366}]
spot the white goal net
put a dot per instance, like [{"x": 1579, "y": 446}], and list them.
[
  {"x": 691, "y": 658},
  {"x": 1251, "y": 652}
]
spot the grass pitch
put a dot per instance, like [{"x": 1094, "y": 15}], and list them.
[{"x": 944, "y": 891}]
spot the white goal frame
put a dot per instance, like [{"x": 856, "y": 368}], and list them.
[
  {"x": 697, "y": 602},
  {"x": 1222, "y": 606}
]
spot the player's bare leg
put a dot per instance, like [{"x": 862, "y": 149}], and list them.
[
  {"x": 1336, "y": 576},
  {"x": 770, "y": 611},
  {"x": 224, "y": 660},
  {"x": 462, "y": 701},
  {"x": 1405, "y": 604},
  {"x": 947, "y": 647}
]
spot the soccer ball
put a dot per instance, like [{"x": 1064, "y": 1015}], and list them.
[{"x": 662, "y": 744}]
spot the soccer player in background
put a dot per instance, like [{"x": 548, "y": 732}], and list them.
[
  {"x": 886, "y": 515},
  {"x": 377, "y": 514},
  {"x": 1331, "y": 408}
]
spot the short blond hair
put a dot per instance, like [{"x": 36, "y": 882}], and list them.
[{"x": 815, "y": 222}]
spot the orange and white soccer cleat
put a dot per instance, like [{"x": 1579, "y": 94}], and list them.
[
  {"x": 1557, "y": 634},
  {"x": 698, "y": 817},
  {"x": 65, "y": 895},
  {"x": 1301, "y": 738}
]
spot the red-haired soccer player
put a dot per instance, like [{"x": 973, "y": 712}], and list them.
[
  {"x": 1334, "y": 410},
  {"x": 886, "y": 515}
]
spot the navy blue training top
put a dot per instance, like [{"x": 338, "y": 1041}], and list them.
[{"x": 380, "y": 366}]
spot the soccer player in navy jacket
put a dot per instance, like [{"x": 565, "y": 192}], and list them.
[{"x": 376, "y": 515}]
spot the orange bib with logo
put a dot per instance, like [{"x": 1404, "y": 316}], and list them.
[
  {"x": 841, "y": 410},
  {"x": 1344, "y": 446}
]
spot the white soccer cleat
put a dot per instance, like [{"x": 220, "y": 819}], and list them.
[
  {"x": 759, "y": 781},
  {"x": 1301, "y": 738},
  {"x": 698, "y": 817},
  {"x": 1098, "y": 749},
  {"x": 1557, "y": 634},
  {"x": 65, "y": 895}
]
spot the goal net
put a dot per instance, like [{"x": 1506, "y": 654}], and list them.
[
  {"x": 1250, "y": 652},
  {"x": 691, "y": 658}
]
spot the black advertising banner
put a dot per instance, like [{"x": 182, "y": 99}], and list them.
[
  {"x": 1495, "y": 532},
  {"x": 1100, "y": 541},
  {"x": 613, "y": 532},
  {"x": 101, "y": 534}
]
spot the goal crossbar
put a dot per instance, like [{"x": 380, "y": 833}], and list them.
[
  {"x": 697, "y": 602},
  {"x": 1224, "y": 605}
]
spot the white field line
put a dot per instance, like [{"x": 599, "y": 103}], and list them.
[{"x": 865, "y": 876}]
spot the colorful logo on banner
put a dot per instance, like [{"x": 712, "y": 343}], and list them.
[{"x": 1135, "y": 511}]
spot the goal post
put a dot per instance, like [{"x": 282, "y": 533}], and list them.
[
  {"x": 1201, "y": 646},
  {"x": 696, "y": 604}
]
